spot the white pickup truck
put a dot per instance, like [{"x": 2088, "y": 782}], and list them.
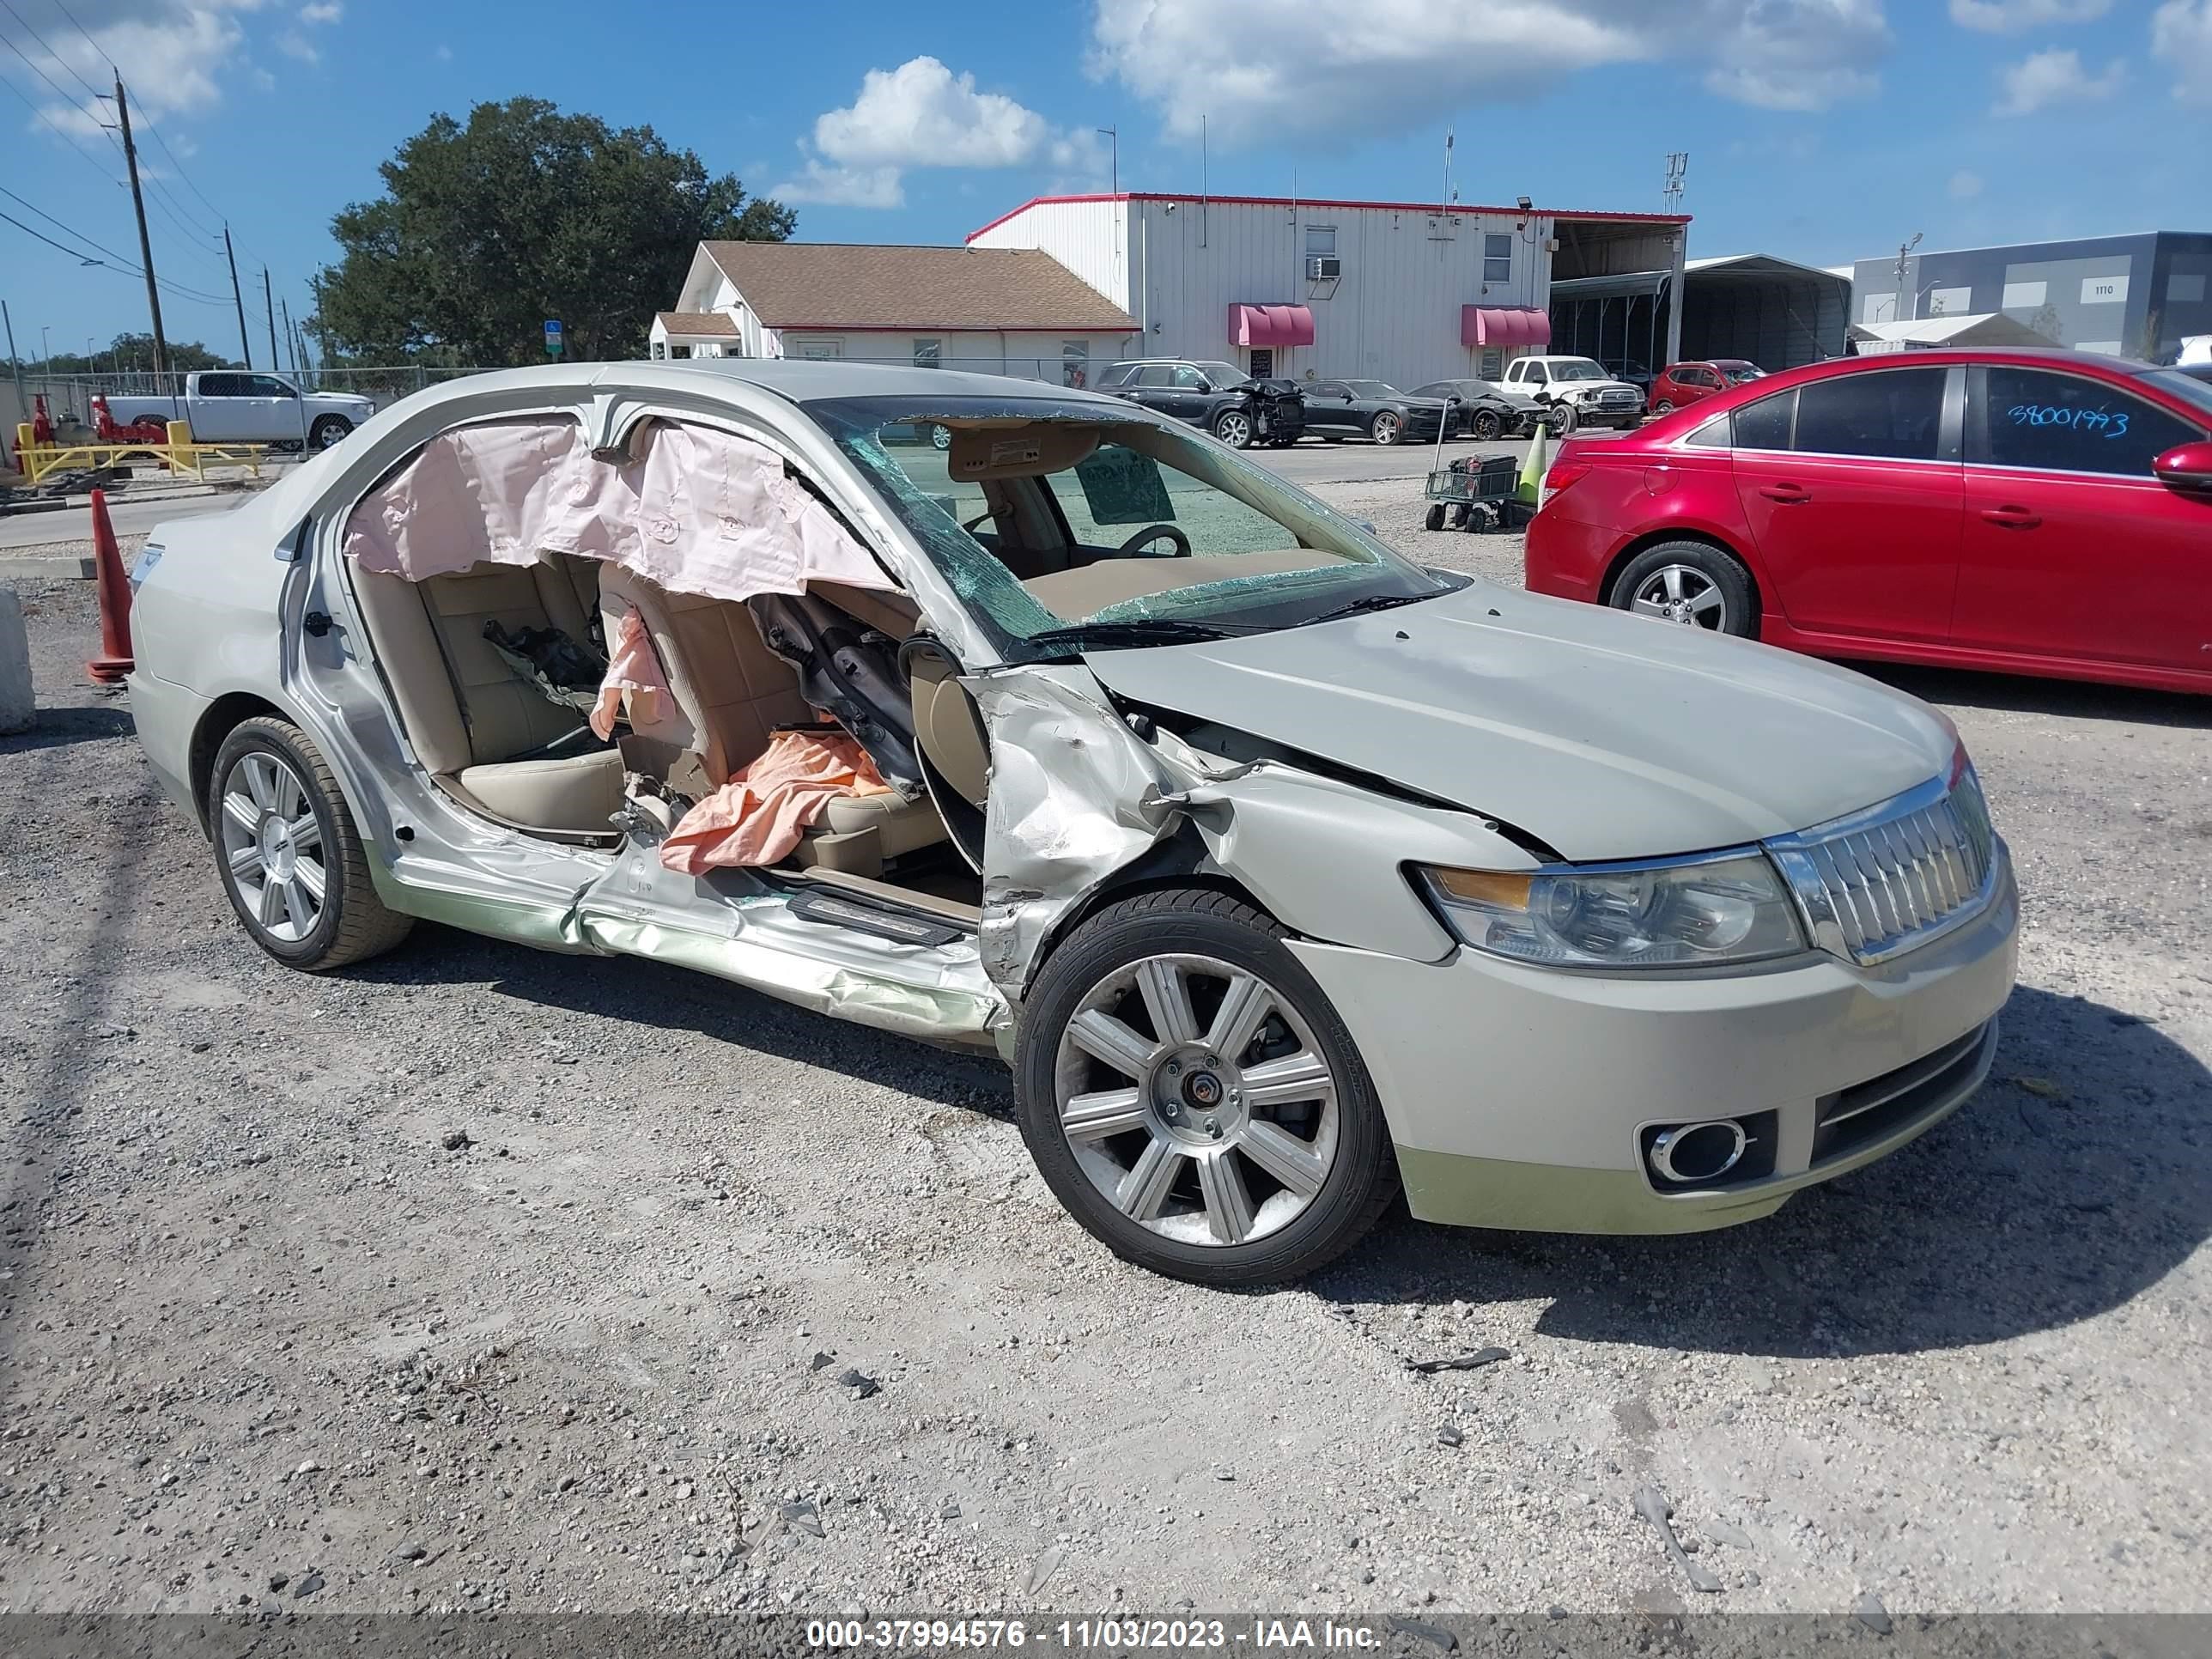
[
  {"x": 229, "y": 405},
  {"x": 1576, "y": 390}
]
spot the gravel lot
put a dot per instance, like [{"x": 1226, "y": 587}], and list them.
[{"x": 482, "y": 1278}]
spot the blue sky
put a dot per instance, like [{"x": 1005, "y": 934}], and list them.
[{"x": 1817, "y": 130}]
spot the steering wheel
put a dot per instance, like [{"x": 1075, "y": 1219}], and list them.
[{"x": 1152, "y": 534}]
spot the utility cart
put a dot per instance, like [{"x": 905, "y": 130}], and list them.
[{"x": 1473, "y": 492}]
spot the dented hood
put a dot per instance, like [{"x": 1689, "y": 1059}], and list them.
[{"x": 1603, "y": 735}]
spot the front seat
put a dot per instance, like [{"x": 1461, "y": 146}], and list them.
[{"x": 732, "y": 694}]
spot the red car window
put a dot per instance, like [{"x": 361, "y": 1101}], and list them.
[
  {"x": 2071, "y": 423},
  {"x": 1896, "y": 414}
]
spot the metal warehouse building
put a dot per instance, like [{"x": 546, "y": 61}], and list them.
[
  {"x": 2136, "y": 296},
  {"x": 1772, "y": 311},
  {"x": 1407, "y": 292}
]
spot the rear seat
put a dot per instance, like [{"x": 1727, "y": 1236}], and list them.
[
  {"x": 466, "y": 713},
  {"x": 732, "y": 694}
]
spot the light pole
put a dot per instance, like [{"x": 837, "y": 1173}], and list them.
[
  {"x": 1903, "y": 266},
  {"x": 1113, "y": 135}
]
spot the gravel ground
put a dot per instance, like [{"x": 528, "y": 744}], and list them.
[{"x": 476, "y": 1278}]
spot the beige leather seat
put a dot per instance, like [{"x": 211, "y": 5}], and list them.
[
  {"x": 732, "y": 694},
  {"x": 467, "y": 714},
  {"x": 948, "y": 727}
]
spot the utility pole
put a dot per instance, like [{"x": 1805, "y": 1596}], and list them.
[
  {"x": 269, "y": 300},
  {"x": 1904, "y": 291},
  {"x": 1113, "y": 135},
  {"x": 237, "y": 298},
  {"x": 291, "y": 340},
  {"x": 14, "y": 362},
  {"x": 145, "y": 241}
]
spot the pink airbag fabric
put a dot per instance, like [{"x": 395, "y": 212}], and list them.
[
  {"x": 758, "y": 816},
  {"x": 632, "y": 666},
  {"x": 704, "y": 511}
]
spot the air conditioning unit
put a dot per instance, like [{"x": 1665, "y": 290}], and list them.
[{"x": 1324, "y": 267}]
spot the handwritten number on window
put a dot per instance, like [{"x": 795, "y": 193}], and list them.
[{"x": 2112, "y": 423}]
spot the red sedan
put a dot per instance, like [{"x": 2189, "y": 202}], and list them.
[
  {"x": 2033, "y": 512},
  {"x": 1680, "y": 385}
]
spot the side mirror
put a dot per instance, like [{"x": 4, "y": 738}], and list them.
[{"x": 2185, "y": 467}]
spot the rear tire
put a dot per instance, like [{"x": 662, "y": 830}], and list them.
[
  {"x": 1692, "y": 584},
  {"x": 288, "y": 854},
  {"x": 1215, "y": 1211},
  {"x": 1662, "y": 407}
]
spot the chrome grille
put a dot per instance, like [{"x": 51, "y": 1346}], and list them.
[{"x": 1883, "y": 881}]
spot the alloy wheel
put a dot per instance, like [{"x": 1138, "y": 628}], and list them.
[
  {"x": 1662, "y": 407},
  {"x": 1682, "y": 594},
  {"x": 1195, "y": 1097},
  {"x": 1386, "y": 428},
  {"x": 1234, "y": 429},
  {"x": 273, "y": 843}
]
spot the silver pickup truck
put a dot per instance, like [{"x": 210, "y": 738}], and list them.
[{"x": 229, "y": 405}]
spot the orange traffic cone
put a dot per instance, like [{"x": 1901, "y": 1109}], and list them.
[{"x": 115, "y": 660}]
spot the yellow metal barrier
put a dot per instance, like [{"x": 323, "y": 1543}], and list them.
[{"x": 178, "y": 452}]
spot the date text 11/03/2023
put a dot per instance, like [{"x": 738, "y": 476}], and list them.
[{"x": 1115, "y": 1635}]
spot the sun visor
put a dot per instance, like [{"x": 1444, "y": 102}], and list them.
[
  {"x": 692, "y": 509},
  {"x": 1022, "y": 452}
]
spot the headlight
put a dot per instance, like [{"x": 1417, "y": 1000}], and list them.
[{"x": 1729, "y": 909}]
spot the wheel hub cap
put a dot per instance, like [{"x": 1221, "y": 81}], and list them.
[
  {"x": 275, "y": 838},
  {"x": 1194, "y": 1098}
]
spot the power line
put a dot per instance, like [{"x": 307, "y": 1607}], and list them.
[
  {"x": 181, "y": 173},
  {"x": 114, "y": 261},
  {"x": 70, "y": 229},
  {"x": 48, "y": 49},
  {"x": 59, "y": 133},
  {"x": 66, "y": 95}
]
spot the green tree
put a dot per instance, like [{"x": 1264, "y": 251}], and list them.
[
  {"x": 129, "y": 351},
  {"x": 486, "y": 230}
]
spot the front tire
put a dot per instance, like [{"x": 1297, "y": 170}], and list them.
[
  {"x": 328, "y": 430},
  {"x": 1560, "y": 417},
  {"x": 1386, "y": 428},
  {"x": 1189, "y": 1094},
  {"x": 1483, "y": 427},
  {"x": 1692, "y": 584},
  {"x": 1234, "y": 428},
  {"x": 288, "y": 854}
]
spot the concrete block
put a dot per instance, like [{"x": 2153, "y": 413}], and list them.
[
  {"x": 39, "y": 568},
  {"x": 18, "y": 708}
]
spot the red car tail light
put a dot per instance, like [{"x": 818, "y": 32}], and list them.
[{"x": 1562, "y": 474}]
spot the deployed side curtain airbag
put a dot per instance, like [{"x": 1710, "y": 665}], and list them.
[{"x": 694, "y": 510}]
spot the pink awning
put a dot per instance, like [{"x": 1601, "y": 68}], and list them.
[
  {"x": 1270, "y": 325},
  {"x": 1503, "y": 325}
]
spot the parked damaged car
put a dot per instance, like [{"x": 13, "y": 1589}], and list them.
[
  {"x": 1217, "y": 398},
  {"x": 1486, "y": 412},
  {"x": 1281, "y": 871},
  {"x": 1336, "y": 409}
]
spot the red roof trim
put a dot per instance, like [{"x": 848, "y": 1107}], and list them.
[
  {"x": 1324, "y": 202},
  {"x": 944, "y": 328}
]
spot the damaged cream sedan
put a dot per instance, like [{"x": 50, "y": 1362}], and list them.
[{"x": 1282, "y": 872}]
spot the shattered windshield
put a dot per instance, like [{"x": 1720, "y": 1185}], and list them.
[{"x": 1068, "y": 526}]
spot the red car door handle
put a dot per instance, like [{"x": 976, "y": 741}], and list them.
[
  {"x": 1786, "y": 493},
  {"x": 2012, "y": 518}
]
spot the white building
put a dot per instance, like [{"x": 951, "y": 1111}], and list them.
[
  {"x": 993, "y": 311},
  {"x": 1407, "y": 292}
]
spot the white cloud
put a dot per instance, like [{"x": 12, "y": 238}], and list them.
[
  {"x": 2043, "y": 79},
  {"x": 444, "y": 54},
  {"x": 2181, "y": 38},
  {"x": 2011, "y": 16},
  {"x": 1965, "y": 185},
  {"x": 293, "y": 43},
  {"x": 923, "y": 114},
  {"x": 836, "y": 186},
  {"x": 323, "y": 11},
  {"x": 1256, "y": 69},
  {"x": 174, "y": 55}
]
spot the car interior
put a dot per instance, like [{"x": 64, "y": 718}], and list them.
[{"x": 504, "y": 748}]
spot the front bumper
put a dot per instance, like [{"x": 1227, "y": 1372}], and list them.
[{"x": 1518, "y": 1097}]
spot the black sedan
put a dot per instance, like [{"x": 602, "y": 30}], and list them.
[
  {"x": 1370, "y": 409},
  {"x": 1485, "y": 413}
]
